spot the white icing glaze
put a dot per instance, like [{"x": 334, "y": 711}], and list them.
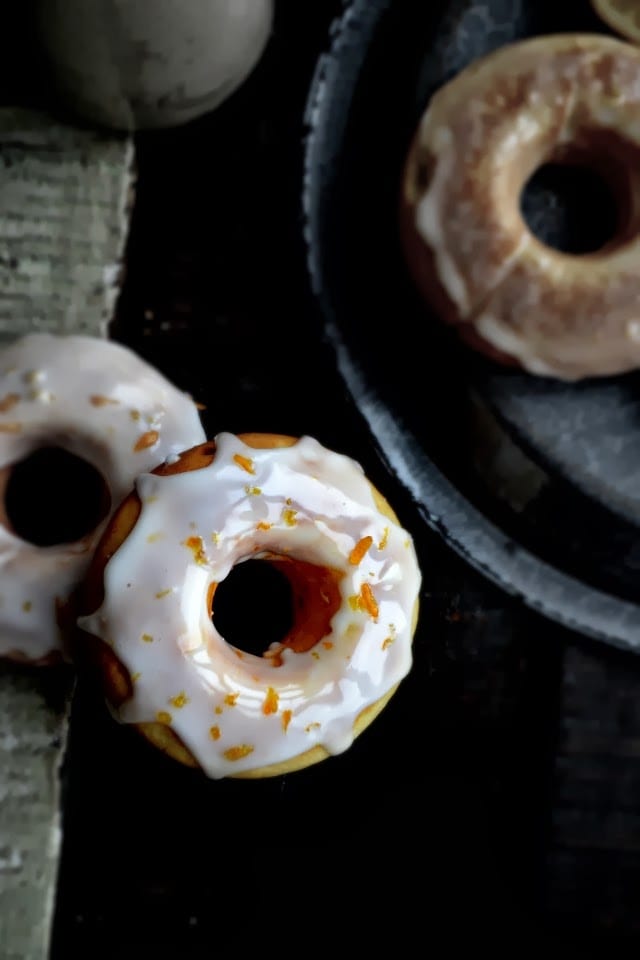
[
  {"x": 305, "y": 502},
  {"x": 97, "y": 400},
  {"x": 480, "y": 138}
]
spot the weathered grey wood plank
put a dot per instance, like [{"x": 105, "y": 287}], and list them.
[
  {"x": 65, "y": 201},
  {"x": 65, "y": 194}
]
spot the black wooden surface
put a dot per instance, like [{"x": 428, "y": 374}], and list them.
[{"x": 497, "y": 795}]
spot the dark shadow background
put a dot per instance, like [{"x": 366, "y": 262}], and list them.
[{"x": 495, "y": 801}]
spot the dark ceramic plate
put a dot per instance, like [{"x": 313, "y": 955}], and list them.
[{"x": 570, "y": 547}]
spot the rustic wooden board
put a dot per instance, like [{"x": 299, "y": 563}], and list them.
[{"x": 65, "y": 199}]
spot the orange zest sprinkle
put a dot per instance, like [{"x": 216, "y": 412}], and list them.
[
  {"x": 163, "y": 717},
  {"x": 196, "y": 545},
  {"x": 385, "y": 539},
  {"x": 311, "y": 726},
  {"x": 386, "y": 643},
  {"x": 98, "y": 400},
  {"x": 262, "y": 525},
  {"x": 327, "y": 644},
  {"x": 239, "y": 654},
  {"x": 163, "y": 593},
  {"x": 237, "y": 753},
  {"x": 179, "y": 701},
  {"x": 214, "y": 733},
  {"x": 218, "y": 710},
  {"x": 359, "y": 550},
  {"x": 245, "y": 462},
  {"x": 10, "y": 427},
  {"x": 147, "y": 638},
  {"x": 270, "y": 704},
  {"x": 315, "y": 654},
  {"x": 252, "y": 491},
  {"x": 289, "y": 517},
  {"x": 368, "y": 600},
  {"x": 9, "y": 401},
  {"x": 231, "y": 698},
  {"x": 286, "y": 719},
  {"x": 148, "y": 439},
  {"x": 134, "y": 414}
]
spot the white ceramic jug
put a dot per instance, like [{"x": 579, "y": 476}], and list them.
[{"x": 141, "y": 64}]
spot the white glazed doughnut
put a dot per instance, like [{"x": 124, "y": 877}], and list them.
[
  {"x": 100, "y": 402},
  {"x": 150, "y": 594},
  {"x": 566, "y": 98}
]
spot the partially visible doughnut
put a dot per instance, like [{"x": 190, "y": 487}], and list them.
[
  {"x": 146, "y": 622},
  {"x": 623, "y": 16},
  {"x": 570, "y": 98},
  {"x": 100, "y": 402}
]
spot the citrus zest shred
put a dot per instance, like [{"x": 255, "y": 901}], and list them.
[
  {"x": 359, "y": 550},
  {"x": 163, "y": 717},
  {"x": 147, "y": 638},
  {"x": 237, "y": 753},
  {"x": 368, "y": 600},
  {"x": 385, "y": 538},
  {"x": 98, "y": 400},
  {"x": 230, "y": 699},
  {"x": 245, "y": 462},
  {"x": 163, "y": 593},
  {"x": 179, "y": 701},
  {"x": 196, "y": 545},
  {"x": 270, "y": 704},
  {"x": 286, "y": 719},
  {"x": 262, "y": 525},
  {"x": 289, "y": 517},
  {"x": 146, "y": 440},
  {"x": 214, "y": 732}
]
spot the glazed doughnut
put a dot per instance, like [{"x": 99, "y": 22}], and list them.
[
  {"x": 354, "y": 579},
  {"x": 623, "y": 16},
  {"x": 101, "y": 403},
  {"x": 570, "y": 98}
]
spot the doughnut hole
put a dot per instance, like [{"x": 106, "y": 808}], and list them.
[
  {"x": 584, "y": 199},
  {"x": 292, "y": 603},
  {"x": 52, "y": 497}
]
